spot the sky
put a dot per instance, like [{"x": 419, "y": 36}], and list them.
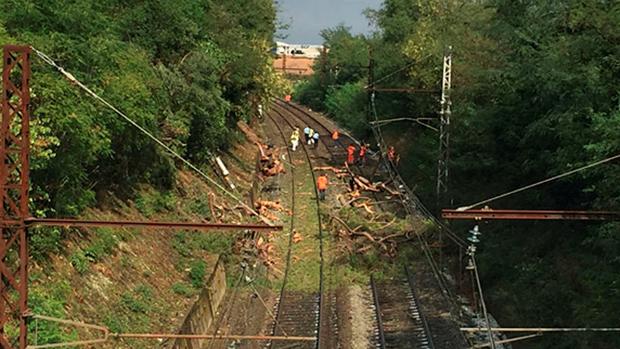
[{"x": 308, "y": 17}]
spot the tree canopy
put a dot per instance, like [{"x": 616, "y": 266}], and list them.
[
  {"x": 185, "y": 70},
  {"x": 535, "y": 93}
]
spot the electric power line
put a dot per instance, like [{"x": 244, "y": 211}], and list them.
[
  {"x": 562, "y": 175},
  {"x": 390, "y": 74},
  {"x": 72, "y": 79}
]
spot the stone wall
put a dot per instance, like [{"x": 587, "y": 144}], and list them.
[{"x": 203, "y": 312}]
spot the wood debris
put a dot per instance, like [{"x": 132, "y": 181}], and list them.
[
  {"x": 269, "y": 162},
  {"x": 363, "y": 238},
  {"x": 365, "y": 206},
  {"x": 247, "y": 131}
]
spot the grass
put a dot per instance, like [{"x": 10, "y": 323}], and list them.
[
  {"x": 151, "y": 202},
  {"x": 50, "y": 298},
  {"x": 305, "y": 263},
  {"x": 197, "y": 273},
  {"x": 133, "y": 311},
  {"x": 183, "y": 289},
  {"x": 80, "y": 262},
  {"x": 103, "y": 244},
  {"x": 190, "y": 244}
]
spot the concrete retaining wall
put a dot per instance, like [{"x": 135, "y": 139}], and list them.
[{"x": 203, "y": 312}]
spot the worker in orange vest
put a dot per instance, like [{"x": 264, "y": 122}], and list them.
[
  {"x": 393, "y": 158},
  {"x": 335, "y": 135},
  {"x": 391, "y": 154},
  {"x": 350, "y": 154},
  {"x": 321, "y": 185},
  {"x": 363, "y": 150},
  {"x": 287, "y": 98}
]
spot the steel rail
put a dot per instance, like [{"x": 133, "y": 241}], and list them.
[
  {"x": 427, "y": 330},
  {"x": 375, "y": 299},
  {"x": 540, "y": 329},
  {"x": 291, "y": 228},
  {"x": 70, "y": 222},
  {"x": 210, "y": 336},
  {"x": 292, "y": 110},
  {"x": 299, "y": 110},
  {"x": 413, "y": 204},
  {"x": 488, "y": 214},
  {"x": 321, "y": 255}
]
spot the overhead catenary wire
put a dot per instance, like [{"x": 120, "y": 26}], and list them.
[
  {"x": 171, "y": 151},
  {"x": 389, "y": 75},
  {"x": 550, "y": 179},
  {"x": 395, "y": 177}
]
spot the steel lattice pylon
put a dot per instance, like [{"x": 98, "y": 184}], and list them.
[
  {"x": 444, "y": 129},
  {"x": 14, "y": 184}
]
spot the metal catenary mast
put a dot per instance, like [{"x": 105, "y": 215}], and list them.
[{"x": 444, "y": 129}]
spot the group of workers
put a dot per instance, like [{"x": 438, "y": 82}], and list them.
[
  {"x": 352, "y": 149},
  {"x": 311, "y": 137}
]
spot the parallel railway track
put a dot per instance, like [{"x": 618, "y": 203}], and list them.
[
  {"x": 336, "y": 149},
  {"x": 400, "y": 321},
  {"x": 298, "y": 313}
]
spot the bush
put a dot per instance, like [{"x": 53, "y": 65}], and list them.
[
  {"x": 50, "y": 299},
  {"x": 197, "y": 273},
  {"x": 80, "y": 262},
  {"x": 139, "y": 300},
  {"x": 182, "y": 289},
  {"x": 45, "y": 241},
  {"x": 347, "y": 105},
  {"x": 150, "y": 202},
  {"x": 310, "y": 93},
  {"x": 101, "y": 246}
]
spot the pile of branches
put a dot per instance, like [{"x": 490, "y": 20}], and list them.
[
  {"x": 382, "y": 232},
  {"x": 269, "y": 163},
  {"x": 362, "y": 227}
]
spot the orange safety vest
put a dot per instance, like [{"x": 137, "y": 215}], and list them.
[
  {"x": 321, "y": 182},
  {"x": 391, "y": 154},
  {"x": 287, "y": 98},
  {"x": 350, "y": 154},
  {"x": 335, "y": 135},
  {"x": 362, "y": 151},
  {"x": 351, "y": 149}
]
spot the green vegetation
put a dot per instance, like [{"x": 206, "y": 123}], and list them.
[
  {"x": 50, "y": 299},
  {"x": 80, "y": 262},
  {"x": 137, "y": 307},
  {"x": 185, "y": 70},
  {"x": 535, "y": 93},
  {"x": 197, "y": 273},
  {"x": 182, "y": 289}
]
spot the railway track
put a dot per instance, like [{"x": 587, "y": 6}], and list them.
[
  {"x": 336, "y": 149},
  {"x": 297, "y": 313},
  {"x": 399, "y": 318}
]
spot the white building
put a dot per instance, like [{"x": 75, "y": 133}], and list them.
[{"x": 300, "y": 50}]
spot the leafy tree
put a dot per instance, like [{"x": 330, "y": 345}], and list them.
[{"x": 184, "y": 70}]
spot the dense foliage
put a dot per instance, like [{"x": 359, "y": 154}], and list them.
[
  {"x": 535, "y": 94},
  {"x": 186, "y": 70}
]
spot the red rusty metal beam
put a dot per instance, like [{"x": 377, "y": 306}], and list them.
[
  {"x": 69, "y": 222},
  {"x": 402, "y": 89},
  {"x": 14, "y": 184},
  {"x": 486, "y": 214}
]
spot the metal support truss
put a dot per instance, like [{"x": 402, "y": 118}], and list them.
[
  {"x": 14, "y": 184},
  {"x": 444, "y": 129},
  {"x": 488, "y": 214},
  {"x": 14, "y": 214}
]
